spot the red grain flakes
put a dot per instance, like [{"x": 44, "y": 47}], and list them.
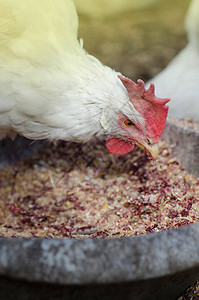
[{"x": 69, "y": 190}]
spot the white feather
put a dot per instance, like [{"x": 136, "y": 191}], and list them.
[{"x": 49, "y": 86}]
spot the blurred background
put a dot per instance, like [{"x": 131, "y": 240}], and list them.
[{"x": 136, "y": 37}]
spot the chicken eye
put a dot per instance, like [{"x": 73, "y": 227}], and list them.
[{"x": 128, "y": 123}]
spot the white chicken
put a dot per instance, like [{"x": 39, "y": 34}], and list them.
[
  {"x": 50, "y": 88},
  {"x": 180, "y": 79}
]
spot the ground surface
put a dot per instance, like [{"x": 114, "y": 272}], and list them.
[{"x": 138, "y": 43}]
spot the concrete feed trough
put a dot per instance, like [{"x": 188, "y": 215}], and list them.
[{"x": 155, "y": 266}]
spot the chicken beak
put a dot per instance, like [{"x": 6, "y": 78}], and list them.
[{"x": 150, "y": 150}]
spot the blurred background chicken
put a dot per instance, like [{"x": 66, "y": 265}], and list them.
[
  {"x": 50, "y": 88},
  {"x": 96, "y": 9},
  {"x": 142, "y": 41},
  {"x": 180, "y": 79}
]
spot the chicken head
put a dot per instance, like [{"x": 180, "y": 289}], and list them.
[{"x": 146, "y": 124}]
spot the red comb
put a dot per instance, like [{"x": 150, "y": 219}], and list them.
[{"x": 152, "y": 108}]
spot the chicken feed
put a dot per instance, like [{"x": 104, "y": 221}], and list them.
[{"x": 70, "y": 190}]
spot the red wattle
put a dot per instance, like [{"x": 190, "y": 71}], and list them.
[{"x": 118, "y": 146}]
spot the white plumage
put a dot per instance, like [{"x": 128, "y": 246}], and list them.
[
  {"x": 51, "y": 88},
  {"x": 180, "y": 79},
  {"x": 47, "y": 77}
]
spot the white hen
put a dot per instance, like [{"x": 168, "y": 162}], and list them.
[
  {"x": 180, "y": 79},
  {"x": 51, "y": 88}
]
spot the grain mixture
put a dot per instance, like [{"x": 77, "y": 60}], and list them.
[
  {"x": 185, "y": 124},
  {"x": 69, "y": 190}
]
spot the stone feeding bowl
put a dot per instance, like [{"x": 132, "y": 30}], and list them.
[{"x": 155, "y": 266}]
